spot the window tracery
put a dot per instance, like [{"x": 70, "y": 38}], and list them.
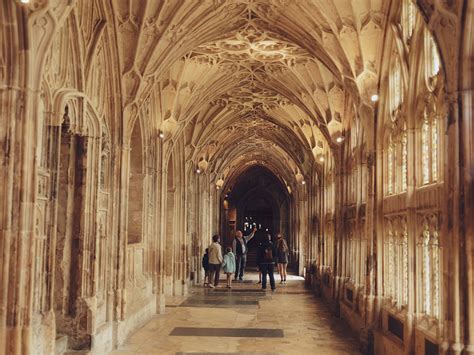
[
  {"x": 408, "y": 20},
  {"x": 432, "y": 61},
  {"x": 396, "y": 250},
  {"x": 404, "y": 262},
  {"x": 390, "y": 167},
  {"x": 396, "y": 89},
  {"x": 429, "y": 255},
  {"x": 404, "y": 159},
  {"x": 397, "y": 151},
  {"x": 429, "y": 146}
]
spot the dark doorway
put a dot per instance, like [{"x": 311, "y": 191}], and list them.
[{"x": 256, "y": 198}]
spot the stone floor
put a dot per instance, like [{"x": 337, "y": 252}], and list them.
[{"x": 245, "y": 320}]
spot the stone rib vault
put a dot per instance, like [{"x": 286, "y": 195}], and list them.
[{"x": 131, "y": 131}]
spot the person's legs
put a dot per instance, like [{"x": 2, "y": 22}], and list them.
[
  {"x": 211, "y": 275},
  {"x": 238, "y": 259},
  {"x": 218, "y": 274},
  {"x": 243, "y": 263},
  {"x": 263, "y": 268},
  {"x": 272, "y": 277},
  {"x": 284, "y": 271},
  {"x": 228, "y": 278},
  {"x": 280, "y": 271}
]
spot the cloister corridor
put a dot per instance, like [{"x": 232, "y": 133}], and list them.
[
  {"x": 300, "y": 323},
  {"x": 331, "y": 137}
]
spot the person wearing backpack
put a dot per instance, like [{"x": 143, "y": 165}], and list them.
[
  {"x": 205, "y": 266},
  {"x": 266, "y": 258}
]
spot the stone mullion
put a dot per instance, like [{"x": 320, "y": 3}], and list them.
[
  {"x": 344, "y": 228},
  {"x": 161, "y": 229},
  {"x": 301, "y": 233},
  {"x": 338, "y": 224},
  {"x": 18, "y": 218},
  {"x": 314, "y": 233},
  {"x": 414, "y": 271},
  {"x": 110, "y": 278},
  {"x": 154, "y": 182},
  {"x": 466, "y": 107},
  {"x": 451, "y": 238},
  {"x": 80, "y": 225},
  {"x": 94, "y": 256},
  {"x": 55, "y": 148},
  {"x": 120, "y": 292}
]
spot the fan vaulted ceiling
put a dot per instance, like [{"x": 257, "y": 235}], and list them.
[{"x": 250, "y": 80}]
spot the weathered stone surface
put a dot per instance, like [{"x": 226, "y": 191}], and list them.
[{"x": 128, "y": 126}]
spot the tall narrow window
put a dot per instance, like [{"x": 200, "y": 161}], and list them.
[
  {"x": 396, "y": 87},
  {"x": 390, "y": 168},
  {"x": 434, "y": 245},
  {"x": 426, "y": 269},
  {"x": 430, "y": 250},
  {"x": 432, "y": 61},
  {"x": 429, "y": 148},
  {"x": 408, "y": 19},
  {"x": 405, "y": 262},
  {"x": 434, "y": 149},
  {"x": 425, "y": 149},
  {"x": 391, "y": 265},
  {"x": 404, "y": 159}
]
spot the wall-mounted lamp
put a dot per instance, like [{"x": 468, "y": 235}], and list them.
[
  {"x": 340, "y": 139},
  {"x": 374, "y": 98},
  {"x": 161, "y": 135},
  {"x": 303, "y": 182},
  {"x": 198, "y": 171}
]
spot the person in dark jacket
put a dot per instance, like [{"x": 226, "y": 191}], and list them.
[
  {"x": 205, "y": 266},
  {"x": 240, "y": 249},
  {"x": 266, "y": 258}
]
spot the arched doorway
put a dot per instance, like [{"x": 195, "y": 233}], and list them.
[{"x": 255, "y": 198}]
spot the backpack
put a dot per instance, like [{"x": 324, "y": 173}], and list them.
[
  {"x": 268, "y": 254},
  {"x": 205, "y": 261}
]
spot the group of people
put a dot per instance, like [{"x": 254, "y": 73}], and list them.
[{"x": 234, "y": 260}]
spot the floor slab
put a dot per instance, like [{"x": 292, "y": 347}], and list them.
[{"x": 306, "y": 324}]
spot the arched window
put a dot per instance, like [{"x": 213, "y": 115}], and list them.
[
  {"x": 390, "y": 257},
  {"x": 396, "y": 88},
  {"x": 404, "y": 239},
  {"x": 391, "y": 167},
  {"x": 396, "y": 261},
  {"x": 408, "y": 20},
  {"x": 433, "y": 62},
  {"x": 404, "y": 159},
  {"x": 430, "y": 250},
  {"x": 397, "y": 151},
  {"x": 429, "y": 147}
]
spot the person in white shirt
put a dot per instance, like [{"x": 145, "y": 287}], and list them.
[
  {"x": 239, "y": 247},
  {"x": 215, "y": 261}
]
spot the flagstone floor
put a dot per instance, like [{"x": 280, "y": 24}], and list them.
[{"x": 245, "y": 320}]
